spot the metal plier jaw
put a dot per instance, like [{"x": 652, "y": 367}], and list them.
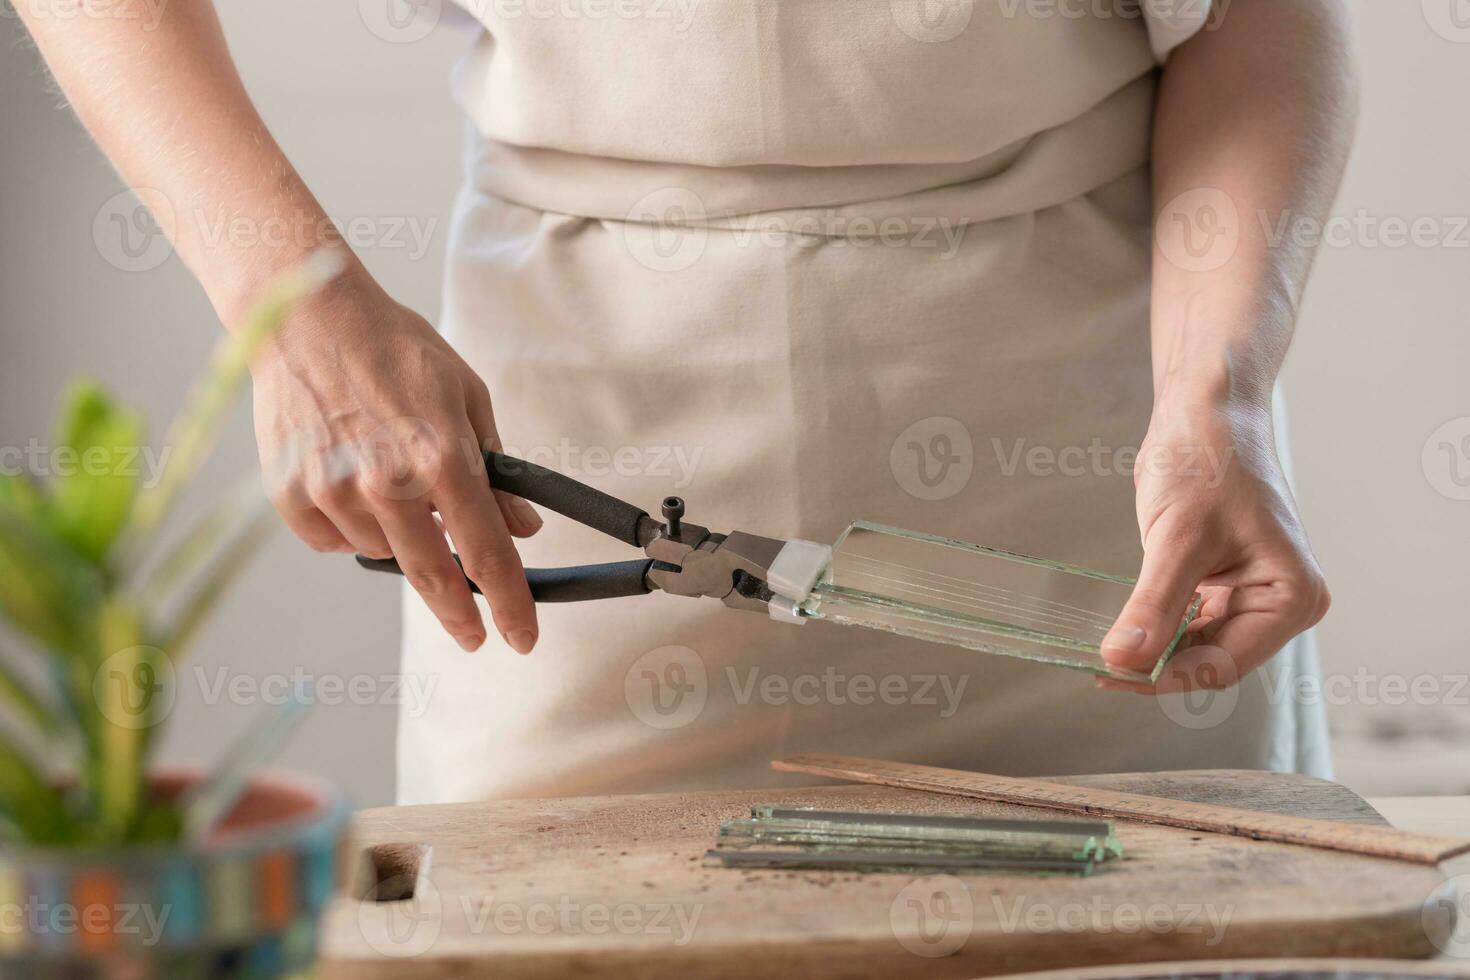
[{"x": 736, "y": 568}]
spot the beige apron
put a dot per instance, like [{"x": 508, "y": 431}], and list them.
[{"x": 801, "y": 262}]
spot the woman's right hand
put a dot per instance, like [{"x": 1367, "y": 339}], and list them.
[{"x": 368, "y": 425}]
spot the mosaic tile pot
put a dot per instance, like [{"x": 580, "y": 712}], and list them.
[{"x": 243, "y": 903}]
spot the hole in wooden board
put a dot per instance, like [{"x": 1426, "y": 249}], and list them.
[{"x": 391, "y": 872}]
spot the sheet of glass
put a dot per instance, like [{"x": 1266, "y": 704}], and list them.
[{"x": 946, "y": 591}]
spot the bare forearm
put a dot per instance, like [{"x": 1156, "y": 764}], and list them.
[
  {"x": 164, "y": 102},
  {"x": 1254, "y": 122}
]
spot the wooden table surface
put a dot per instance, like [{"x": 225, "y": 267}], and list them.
[
  {"x": 612, "y": 852},
  {"x": 1439, "y": 815}
]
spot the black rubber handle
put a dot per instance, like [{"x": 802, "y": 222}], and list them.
[
  {"x": 581, "y": 583},
  {"x": 566, "y": 496}
]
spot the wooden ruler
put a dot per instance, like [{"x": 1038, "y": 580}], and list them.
[{"x": 1331, "y": 834}]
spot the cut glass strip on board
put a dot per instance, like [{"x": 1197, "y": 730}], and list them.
[
  {"x": 946, "y": 591},
  {"x": 798, "y": 837},
  {"x": 881, "y": 861},
  {"x": 835, "y": 830}
]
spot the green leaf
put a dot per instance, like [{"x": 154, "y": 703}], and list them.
[
  {"x": 70, "y": 564},
  {"x": 97, "y": 452},
  {"x": 31, "y": 802},
  {"x": 128, "y": 710},
  {"x": 20, "y": 494},
  {"x": 17, "y": 692},
  {"x": 161, "y": 821},
  {"x": 46, "y": 590}
]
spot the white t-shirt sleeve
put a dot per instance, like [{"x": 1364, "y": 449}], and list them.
[{"x": 1172, "y": 22}]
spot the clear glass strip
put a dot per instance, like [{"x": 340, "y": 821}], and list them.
[{"x": 947, "y": 591}]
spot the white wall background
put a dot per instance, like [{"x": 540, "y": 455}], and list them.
[{"x": 1379, "y": 365}]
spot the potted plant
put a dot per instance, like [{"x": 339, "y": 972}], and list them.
[{"x": 109, "y": 868}]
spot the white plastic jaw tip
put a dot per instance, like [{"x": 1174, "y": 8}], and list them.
[
  {"x": 784, "y": 610},
  {"x": 792, "y": 576}
]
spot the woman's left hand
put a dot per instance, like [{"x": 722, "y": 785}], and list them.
[{"x": 1217, "y": 518}]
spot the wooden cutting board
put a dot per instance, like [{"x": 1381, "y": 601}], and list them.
[
  {"x": 1335, "y": 969},
  {"x": 616, "y": 886}
]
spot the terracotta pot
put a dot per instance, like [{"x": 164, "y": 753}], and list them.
[{"x": 242, "y": 903}]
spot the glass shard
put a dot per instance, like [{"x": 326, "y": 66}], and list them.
[{"x": 946, "y": 591}]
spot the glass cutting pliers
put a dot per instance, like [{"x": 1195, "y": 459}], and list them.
[{"x": 744, "y": 571}]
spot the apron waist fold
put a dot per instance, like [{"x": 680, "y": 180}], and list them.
[{"x": 1041, "y": 171}]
